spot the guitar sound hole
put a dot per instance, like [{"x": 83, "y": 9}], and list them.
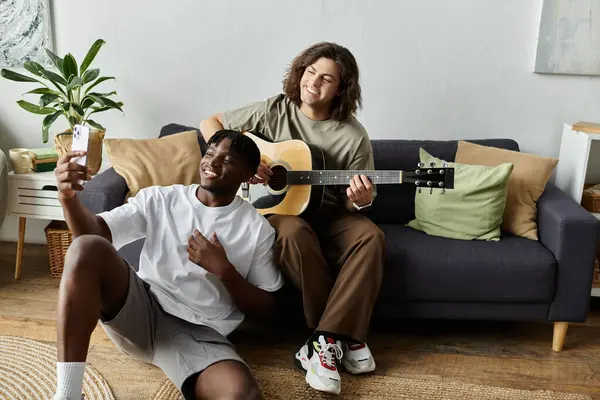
[{"x": 278, "y": 180}]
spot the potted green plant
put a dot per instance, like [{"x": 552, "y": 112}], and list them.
[{"x": 68, "y": 93}]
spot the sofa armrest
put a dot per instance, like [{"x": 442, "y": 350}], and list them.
[
  {"x": 104, "y": 192},
  {"x": 570, "y": 232}
]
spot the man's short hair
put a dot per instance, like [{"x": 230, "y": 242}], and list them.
[{"x": 241, "y": 144}]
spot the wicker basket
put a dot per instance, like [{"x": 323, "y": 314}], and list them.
[
  {"x": 590, "y": 202},
  {"x": 59, "y": 239}
]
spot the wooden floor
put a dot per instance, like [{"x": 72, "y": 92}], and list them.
[{"x": 514, "y": 355}]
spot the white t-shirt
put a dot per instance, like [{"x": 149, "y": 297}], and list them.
[{"x": 167, "y": 217}]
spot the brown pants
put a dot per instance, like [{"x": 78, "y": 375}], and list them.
[{"x": 336, "y": 260}]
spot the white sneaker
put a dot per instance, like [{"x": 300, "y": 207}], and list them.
[
  {"x": 357, "y": 358},
  {"x": 319, "y": 360}
]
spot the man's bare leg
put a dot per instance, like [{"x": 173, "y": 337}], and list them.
[
  {"x": 229, "y": 380},
  {"x": 95, "y": 280}
]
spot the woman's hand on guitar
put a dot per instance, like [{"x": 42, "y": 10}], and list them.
[
  {"x": 263, "y": 174},
  {"x": 360, "y": 191}
]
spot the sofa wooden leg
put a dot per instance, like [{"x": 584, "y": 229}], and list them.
[{"x": 560, "y": 332}]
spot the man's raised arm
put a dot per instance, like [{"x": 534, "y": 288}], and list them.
[
  {"x": 80, "y": 220},
  {"x": 211, "y": 125}
]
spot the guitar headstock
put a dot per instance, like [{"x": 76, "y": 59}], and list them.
[{"x": 430, "y": 177}]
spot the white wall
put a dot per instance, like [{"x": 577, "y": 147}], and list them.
[{"x": 430, "y": 69}]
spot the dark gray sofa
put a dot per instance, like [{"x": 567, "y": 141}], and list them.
[{"x": 431, "y": 277}]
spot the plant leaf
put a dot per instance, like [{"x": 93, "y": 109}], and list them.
[
  {"x": 105, "y": 108},
  {"x": 87, "y": 103},
  {"x": 14, "y": 76},
  {"x": 97, "y": 99},
  {"x": 111, "y": 103},
  {"x": 54, "y": 77},
  {"x": 43, "y": 90},
  {"x": 32, "y": 108},
  {"x": 95, "y": 124},
  {"x": 72, "y": 121},
  {"x": 34, "y": 68},
  {"x": 74, "y": 83},
  {"x": 100, "y": 109},
  {"x": 91, "y": 54},
  {"x": 103, "y": 94},
  {"x": 56, "y": 60},
  {"x": 99, "y": 80},
  {"x": 47, "y": 99},
  {"x": 69, "y": 66},
  {"x": 90, "y": 75},
  {"x": 78, "y": 109},
  {"x": 56, "y": 80},
  {"x": 49, "y": 120}
]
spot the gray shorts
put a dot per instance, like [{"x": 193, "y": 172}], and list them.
[{"x": 143, "y": 330}]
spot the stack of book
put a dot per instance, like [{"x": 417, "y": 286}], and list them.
[{"x": 43, "y": 159}]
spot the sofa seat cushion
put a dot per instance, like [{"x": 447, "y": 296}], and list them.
[{"x": 420, "y": 267}]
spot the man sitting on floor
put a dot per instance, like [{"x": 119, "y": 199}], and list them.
[{"x": 207, "y": 260}]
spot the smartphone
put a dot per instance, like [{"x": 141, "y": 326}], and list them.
[{"x": 81, "y": 137}]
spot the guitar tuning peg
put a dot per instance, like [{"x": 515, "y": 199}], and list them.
[
  {"x": 420, "y": 164},
  {"x": 432, "y": 164},
  {"x": 445, "y": 164}
]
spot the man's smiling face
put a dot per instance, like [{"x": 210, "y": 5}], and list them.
[
  {"x": 320, "y": 83},
  {"x": 222, "y": 169}
]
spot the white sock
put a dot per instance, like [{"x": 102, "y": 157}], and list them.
[{"x": 69, "y": 380}]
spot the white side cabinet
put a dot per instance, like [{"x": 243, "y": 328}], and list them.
[
  {"x": 32, "y": 195},
  {"x": 579, "y": 163}
]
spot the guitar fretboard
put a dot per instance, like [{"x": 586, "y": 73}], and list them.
[{"x": 341, "y": 177}]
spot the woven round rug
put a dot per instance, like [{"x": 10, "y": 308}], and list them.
[
  {"x": 28, "y": 371},
  {"x": 278, "y": 383}
]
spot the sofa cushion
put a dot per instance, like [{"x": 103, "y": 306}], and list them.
[
  {"x": 430, "y": 268},
  {"x": 473, "y": 209},
  {"x": 136, "y": 160},
  {"x": 525, "y": 186},
  {"x": 395, "y": 203},
  {"x": 173, "y": 128}
]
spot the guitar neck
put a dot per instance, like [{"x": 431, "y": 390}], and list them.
[{"x": 341, "y": 177}]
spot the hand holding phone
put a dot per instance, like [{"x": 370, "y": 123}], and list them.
[
  {"x": 81, "y": 136},
  {"x": 69, "y": 175}
]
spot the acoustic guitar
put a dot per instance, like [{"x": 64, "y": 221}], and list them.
[{"x": 297, "y": 185}]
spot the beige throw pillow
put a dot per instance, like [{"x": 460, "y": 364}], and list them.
[
  {"x": 525, "y": 186},
  {"x": 166, "y": 161}
]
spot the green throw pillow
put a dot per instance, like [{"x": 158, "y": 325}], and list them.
[{"x": 472, "y": 210}]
